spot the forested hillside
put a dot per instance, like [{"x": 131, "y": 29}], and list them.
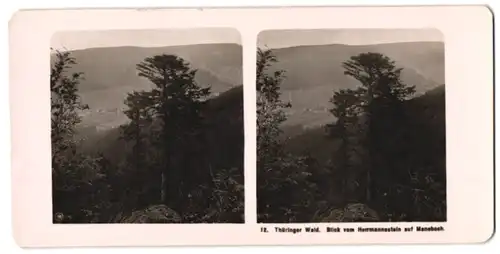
[{"x": 381, "y": 158}]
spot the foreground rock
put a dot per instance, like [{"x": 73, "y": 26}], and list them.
[
  {"x": 354, "y": 212},
  {"x": 152, "y": 214}
]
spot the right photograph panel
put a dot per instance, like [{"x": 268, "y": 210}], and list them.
[{"x": 351, "y": 126}]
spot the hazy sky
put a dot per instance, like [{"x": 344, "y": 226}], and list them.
[
  {"x": 72, "y": 40},
  {"x": 289, "y": 38}
]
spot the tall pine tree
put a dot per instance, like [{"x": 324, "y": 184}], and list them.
[
  {"x": 346, "y": 109},
  {"x": 381, "y": 95},
  {"x": 137, "y": 132},
  {"x": 177, "y": 100}
]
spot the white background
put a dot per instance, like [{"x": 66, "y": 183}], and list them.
[{"x": 7, "y": 243}]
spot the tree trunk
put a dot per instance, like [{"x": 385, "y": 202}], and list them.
[
  {"x": 163, "y": 196},
  {"x": 368, "y": 141},
  {"x": 368, "y": 185}
]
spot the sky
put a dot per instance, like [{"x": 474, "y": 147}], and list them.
[
  {"x": 290, "y": 38},
  {"x": 73, "y": 40}
]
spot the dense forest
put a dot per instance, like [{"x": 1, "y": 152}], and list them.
[
  {"x": 382, "y": 159},
  {"x": 178, "y": 159}
]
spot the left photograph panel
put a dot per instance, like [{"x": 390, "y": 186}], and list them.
[{"x": 147, "y": 126}]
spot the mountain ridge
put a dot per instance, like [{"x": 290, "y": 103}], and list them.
[
  {"x": 110, "y": 73},
  {"x": 312, "y": 74},
  {"x": 144, "y": 47},
  {"x": 354, "y": 45}
]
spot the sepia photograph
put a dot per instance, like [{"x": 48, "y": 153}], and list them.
[
  {"x": 351, "y": 126},
  {"x": 147, "y": 126},
  {"x": 211, "y": 127}
]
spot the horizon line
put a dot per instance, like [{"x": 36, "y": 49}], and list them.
[
  {"x": 240, "y": 44},
  {"x": 345, "y": 44},
  {"x": 150, "y": 47}
]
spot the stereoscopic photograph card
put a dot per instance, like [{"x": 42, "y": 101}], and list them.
[
  {"x": 252, "y": 126},
  {"x": 149, "y": 123}
]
